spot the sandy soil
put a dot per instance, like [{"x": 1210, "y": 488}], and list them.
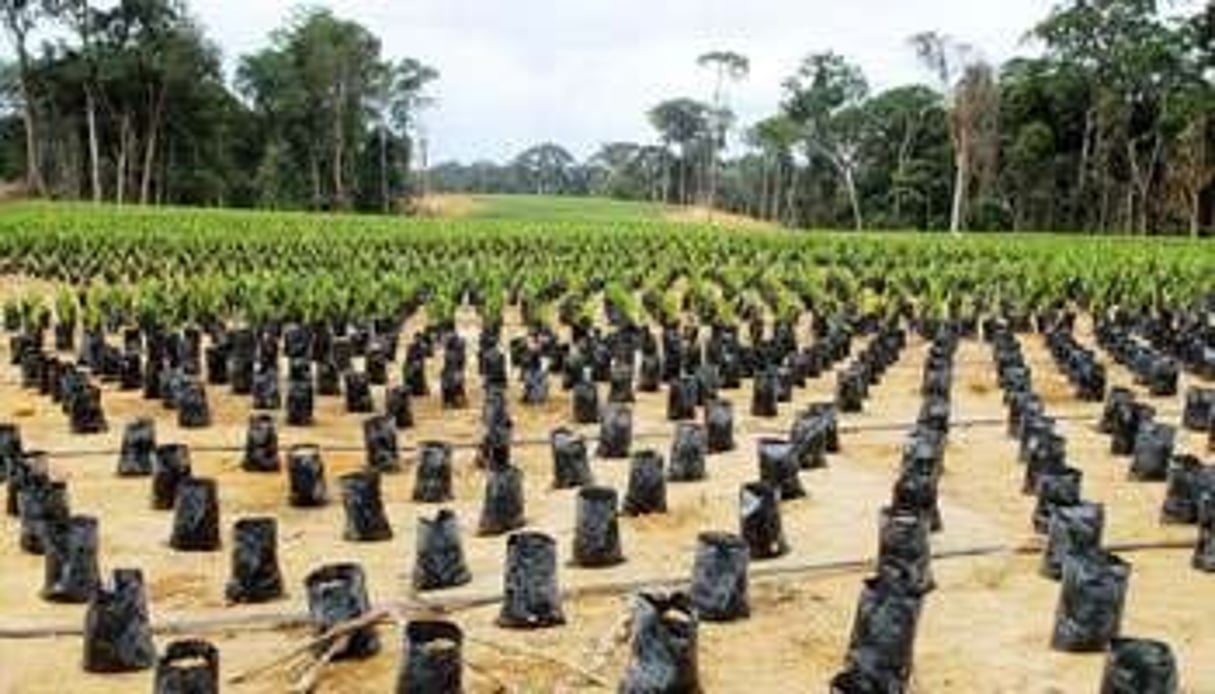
[
  {"x": 986, "y": 628},
  {"x": 447, "y": 206},
  {"x": 700, "y": 214}
]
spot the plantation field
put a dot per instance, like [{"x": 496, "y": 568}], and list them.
[{"x": 234, "y": 305}]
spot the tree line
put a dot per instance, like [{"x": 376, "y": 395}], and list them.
[
  {"x": 130, "y": 104},
  {"x": 1109, "y": 128}
]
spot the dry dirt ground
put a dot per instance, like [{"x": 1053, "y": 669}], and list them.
[
  {"x": 700, "y": 214},
  {"x": 447, "y": 206},
  {"x": 985, "y": 629}
]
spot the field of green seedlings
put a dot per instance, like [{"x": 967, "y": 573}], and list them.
[
  {"x": 254, "y": 451},
  {"x": 176, "y": 267}
]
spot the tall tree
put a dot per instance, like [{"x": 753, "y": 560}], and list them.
[
  {"x": 775, "y": 137},
  {"x": 151, "y": 59},
  {"x": 20, "y": 17},
  {"x": 727, "y": 66},
  {"x": 1133, "y": 61},
  {"x": 316, "y": 86},
  {"x": 972, "y": 100},
  {"x": 823, "y": 98},
  {"x": 1193, "y": 171},
  {"x": 79, "y": 17},
  {"x": 615, "y": 171},
  {"x": 397, "y": 94},
  {"x": 546, "y": 168},
  {"x": 904, "y": 154},
  {"x": 683, "y": 123}
]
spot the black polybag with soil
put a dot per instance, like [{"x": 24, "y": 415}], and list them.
[
  {"x": 433, "y": 661},
  {"x": 1091, "y": 600},
  {"x": 255, "y": 575},
  {"x": 663, "y": 652},
  {"x": 1139, "y": 666},
  {"x": 502, "y": 508},
  {"x": 189, "y": 666},
  {"x": 364, "y": 506},
  {"x": 117, "y": 632},
  {"x": 337, "y": 593},
  {"x": 531, "y": 598},
  {"x": 439, "y": 555},
  {"x": 719, "y": 591},
  {"x": 647, "y": 485},
  {"x": 596, "y": 529}
]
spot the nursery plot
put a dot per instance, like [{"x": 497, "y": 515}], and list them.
[
  {"x": 920, "y": 348},
  {"x": 798, "y": 626}
]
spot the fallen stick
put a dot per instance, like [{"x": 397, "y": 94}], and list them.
[
  {"x": 339, "y": 635},
  {"x": 307, "y": 681},
  {"x": 1148, "y": 545},
  {"x": 306, "y": 648}
]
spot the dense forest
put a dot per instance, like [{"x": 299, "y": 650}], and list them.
[
  {"x": 1108, "y": 127},
  {"x": 130, "y": 104}
]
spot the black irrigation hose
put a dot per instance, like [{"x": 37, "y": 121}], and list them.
[
  {"x": 973, "y": 423},
  {"x": 299, "y": 618}
]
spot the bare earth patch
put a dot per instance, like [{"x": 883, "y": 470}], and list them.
[
  {"x": 986, "y": 628},
  {"x": 447, "y": 206},
  {"x": 700, "y": 214}
]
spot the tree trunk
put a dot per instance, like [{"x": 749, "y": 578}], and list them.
[
  {"x": 149, "y": 155},
  {"x": 666, "y": 176},
  {"x": 339, "y": 147},
  {"x": 1128, "y": 213},
  {"x": 959, "y": 193},
  {"x": 33, "y": 164},
  {"x": 900, "y": 170},
  {"x": 424, "y": 164},
  {"x": 761, "y": 208},
  {"x": 90, "y": 105},
  {"x": 853, "y": 198},
  {"x": 124, "y": 145},
  {"x": 683, "y": 179},
  {"x": 777, "y": 189},
  {"x": 1143, "y": 182},
  {"x": 791, "y": 197},
  {"x": 315, "y": 165},
  {"x": 407, "y": 145},
  {"x": 166, "y": 165},
  {"x": 384, "y": 168},
  {"x": 1082, "y": 172},
  {"x": 1195, "y": 214}
]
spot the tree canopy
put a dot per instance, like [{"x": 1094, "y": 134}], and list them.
[{"x": 130, "y": 103}]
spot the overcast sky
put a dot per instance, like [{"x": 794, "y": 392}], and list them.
[
  {"x": 581, "y": 72},
  {"x": 517, "y": 72}
]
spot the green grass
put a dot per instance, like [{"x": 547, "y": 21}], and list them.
[{"x": 559, "y": 208}]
